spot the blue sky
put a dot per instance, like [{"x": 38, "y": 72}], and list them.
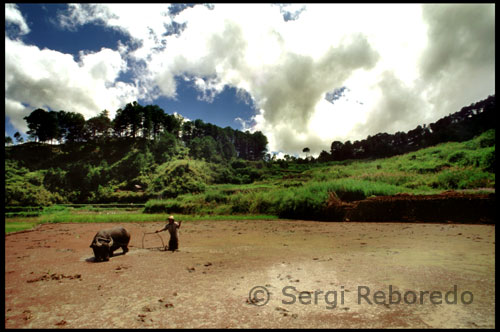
[
  {"x": 304, "y": 75},
  {"x": 45, "y": 33}
]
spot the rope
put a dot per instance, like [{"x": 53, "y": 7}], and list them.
[{"x": 144, "y": 235}]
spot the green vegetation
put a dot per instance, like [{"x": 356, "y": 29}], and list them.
[
  {"x": 283, "y": 189},
  {"x": 303, "y": 190},
  {"x": 16, "y": 226},
  {"x": 146, "y": 162},
  {"x": 145, "y": 154},
  {"x": 89, "y": 214}
]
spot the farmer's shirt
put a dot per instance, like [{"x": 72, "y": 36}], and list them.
[{"x": 173, "y": 229}]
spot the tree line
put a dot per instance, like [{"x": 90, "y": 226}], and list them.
[
  {"x": 463, "y": 125},
  {"x": 214, "y": 144},
  {"x": 150, "y": 122}
]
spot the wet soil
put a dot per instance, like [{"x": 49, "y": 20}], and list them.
[{"x": 51, "y": 280}]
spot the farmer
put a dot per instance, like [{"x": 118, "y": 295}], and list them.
[{"x": 172, "y": 228}]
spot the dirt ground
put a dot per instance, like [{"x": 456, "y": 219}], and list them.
[{"x": 51, "y": 280}]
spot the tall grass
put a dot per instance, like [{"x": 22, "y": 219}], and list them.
[
  {"x": 100, "y": 218},
  {"x": 301, "y": 190},
  {"x": 303, "y": 201},
  {"x": 137, "y": 218},
  {"x": 19, "y": 226},
  {"x": 467, "y": 178},
  {"x": 12, "y": 225}
]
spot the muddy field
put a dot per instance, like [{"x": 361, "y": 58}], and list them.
[{"x": 313, "y": 272}]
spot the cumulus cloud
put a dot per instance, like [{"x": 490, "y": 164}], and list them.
[
  {"x": 16, "y": 111},
  {"x": 453, "y": 68},
  {"x": 14, "y": 16},
  {"x": 145, "y": 24},
  {"x": 285, "y": 82},
  {"x": 295, "y": 86},
  {"x": 458, "y": 65},
  {"x": 398, "y": 108},
  {"x": 403, "y": 65},
  {"x": 45, "y": 78}
]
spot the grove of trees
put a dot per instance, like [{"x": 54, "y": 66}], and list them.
[
  {"x": 142, "y": 153},
  {"x": 214, "y": 144},
  {"x": 150, "y": 122}
]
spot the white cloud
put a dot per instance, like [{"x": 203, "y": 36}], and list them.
[
  {"x": 14, "y": 16},
  {"x": 145, "y": 23},
  {"x": 209, "y": 88},
  {"x": 16, "y": 111},
  {"x": 104, "y": 66},
  {"x": 50, "y": 79},
  {"x": 404, "y": 64},
  {"x": 285, "y": 82},
  {"x": 458, "y": 65}
]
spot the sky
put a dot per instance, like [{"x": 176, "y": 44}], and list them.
[{"x": 303, "y": 74}]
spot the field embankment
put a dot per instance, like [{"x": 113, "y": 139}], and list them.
[{"x": 445, "y": 207}]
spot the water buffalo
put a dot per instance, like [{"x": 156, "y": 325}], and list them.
[{"x": 108, "y": 240}]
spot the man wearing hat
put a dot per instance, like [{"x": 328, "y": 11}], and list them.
[{"x": 172, "y": 228}]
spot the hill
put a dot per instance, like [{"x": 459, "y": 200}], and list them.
[
  {"x": 210, "y": 169},
  {"x": 304, "y": 191}
]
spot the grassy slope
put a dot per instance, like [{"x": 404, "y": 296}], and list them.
[
  {"x": 301, "y": 188},
  {"x": 298, "y": 189}
]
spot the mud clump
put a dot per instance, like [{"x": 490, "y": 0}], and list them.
[{"x": 54, "y": 276}]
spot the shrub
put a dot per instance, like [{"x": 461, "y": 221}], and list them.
[
  {"x": 447, "y": 179},
  {"x": 169, "y": 206},
  {"x": 459, "y": 157},
  {"x": 180, "y": 177},
  {"x": 302, "y": 204},
  {"x": 487, "y": 161},
  {"x": 393, "y": 178},
  {"x": 55, "y": 179},
  {"x": 238, "y": 163},
  {"x": 30, "y": 195},
  {"x": 473, "y": 180},
  {"x": 215, "y": 196},
  {"x": 487, "y": 139},
  {"x": 127, "y": 196},
  {"x": 264, "y": 202},
  {"x": 289, "y": 184},
  {"x": 240, "y": 203},
  {"x": 463, "y": 179},
  {"x": 352, "y": 189},
  {"x": 424, "y": 167}
]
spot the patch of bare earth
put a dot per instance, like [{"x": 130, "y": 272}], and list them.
[{"x": 51, "y": 280}]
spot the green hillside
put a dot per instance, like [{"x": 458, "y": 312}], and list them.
[
  {"x": 197, "y": 189},
  {"x": 291, "y": 189},
  {"x": 41, "y": 175},
  {"x": 145, "y": 155},
  {"x": 167, "y": 165}
]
